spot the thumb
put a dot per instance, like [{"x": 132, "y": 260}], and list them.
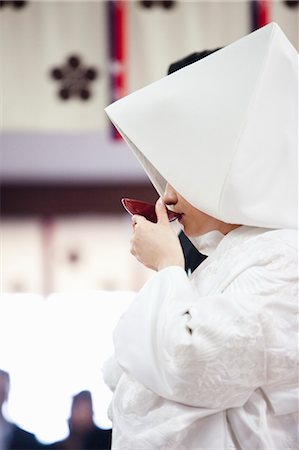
[{"x": 161, "y": 211}]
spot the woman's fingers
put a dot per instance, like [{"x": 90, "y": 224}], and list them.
[
  {"x": 161, "y": 212},
  {"x": 137, "y": 219}
]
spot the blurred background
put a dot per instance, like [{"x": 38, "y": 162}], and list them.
[{"x": 66, "y": 271}]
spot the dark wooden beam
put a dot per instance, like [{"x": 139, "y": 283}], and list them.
[{"x": 69, "y": 199}]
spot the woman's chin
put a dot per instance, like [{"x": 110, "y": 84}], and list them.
[
  {"x": 191, "y": 233},
  {"x": 181, "y": 224},
  {"x": 188, "y": 229}
]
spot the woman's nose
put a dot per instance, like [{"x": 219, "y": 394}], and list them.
[{"x": 169, "y": 197}]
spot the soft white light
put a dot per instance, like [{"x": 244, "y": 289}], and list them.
[{"x": 54, "y": 348}]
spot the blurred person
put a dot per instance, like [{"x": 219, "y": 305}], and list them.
[
  {"x": 13, "y": 437},
  {"x": 210, "y": 361},
  {"x": 83, "y": 433}
]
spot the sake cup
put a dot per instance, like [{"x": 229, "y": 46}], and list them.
[{"x": 146, "y": 210}]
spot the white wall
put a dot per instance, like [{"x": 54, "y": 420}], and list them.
[{"x": 47, "y": 139}]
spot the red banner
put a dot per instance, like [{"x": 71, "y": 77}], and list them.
[{"x": 117, "y": 29}]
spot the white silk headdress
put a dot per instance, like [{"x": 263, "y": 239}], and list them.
[{"x": 223, "y": 131}]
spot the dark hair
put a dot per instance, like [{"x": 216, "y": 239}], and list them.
[
  {"x": 4, "y": 374},
  {"x": 190, "y": 59},
  {"x": 83, "y": 395}
]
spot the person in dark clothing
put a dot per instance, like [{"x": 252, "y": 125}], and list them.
[
  {"x": 193, "y": 258},
  {"x": 20, "y": 439},
  {"x": 84, "y": 434},
  {"x": 13, "y": 437}
]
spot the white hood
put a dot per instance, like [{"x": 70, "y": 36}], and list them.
[{"x": 223, "y": 131}]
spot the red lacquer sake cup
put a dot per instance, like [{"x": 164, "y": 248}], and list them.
[{"x": 146, "y": 210}]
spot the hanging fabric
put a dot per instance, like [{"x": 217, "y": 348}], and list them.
[
  {"x": 117, "y": 23},
  {"x": 260, "y": 13}
]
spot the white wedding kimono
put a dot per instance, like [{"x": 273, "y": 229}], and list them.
[{"x": 210, "y": 362}]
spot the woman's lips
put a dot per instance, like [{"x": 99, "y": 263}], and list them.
[{"x": 146, "y": 210}]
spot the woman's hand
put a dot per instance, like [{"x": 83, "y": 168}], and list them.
[{"x": 156, "y": 245}]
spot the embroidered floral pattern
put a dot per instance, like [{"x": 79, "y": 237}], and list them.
[{"x": 214, "y": 351}]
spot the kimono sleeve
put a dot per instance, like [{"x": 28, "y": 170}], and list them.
[{"x": 211, "y": 351}]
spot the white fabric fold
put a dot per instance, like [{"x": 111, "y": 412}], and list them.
[
  {"x": 223, "y": 131},
  {"x": 212, "y": 360}
]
